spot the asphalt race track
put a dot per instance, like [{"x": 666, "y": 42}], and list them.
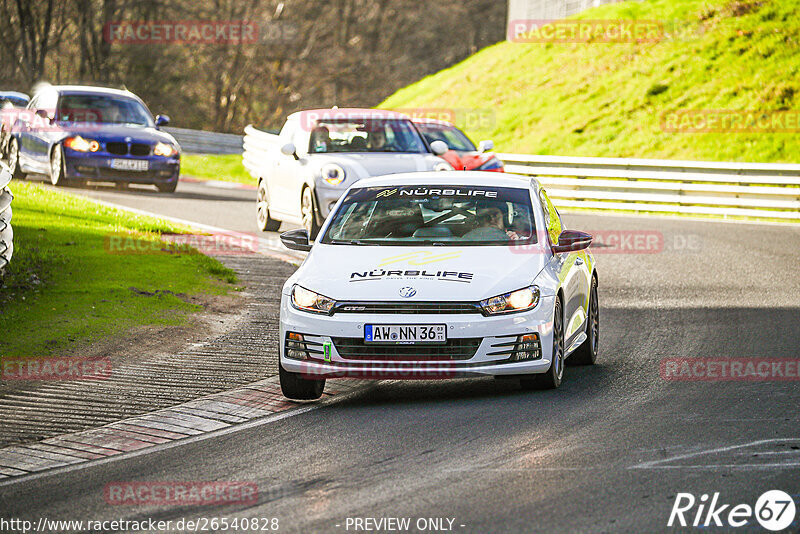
[{"x": 607, "y": 452}]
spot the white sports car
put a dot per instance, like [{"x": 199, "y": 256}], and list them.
[
  {"x": 323, "y": 152},
  {"x": 439, "y": 275}
]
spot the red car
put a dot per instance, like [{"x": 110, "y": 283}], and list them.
[{"x": 463, "y": 155}]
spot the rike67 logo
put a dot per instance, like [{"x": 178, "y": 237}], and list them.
[{"x": 774, "y": 510}]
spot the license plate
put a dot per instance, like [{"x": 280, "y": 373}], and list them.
[
  {"x": 406, "y": 334},
  {"x": 130, "y": 164}
]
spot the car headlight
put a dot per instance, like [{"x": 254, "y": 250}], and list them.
[
  {"x": 306, "y": 300},
  {"x": 491, "y": 164},
  {"x": 79, "y": 144},
  {"x": 333, "y": 174},
  {"x": 443, "y": 166},
  {"x": 164, "y": 149},
  {"x": 523, "y": 299}
]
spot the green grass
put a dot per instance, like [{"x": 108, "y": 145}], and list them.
[
  {"x": 227, "y": 168},
  {"x": 607, "y": 99},
  {"x": 66, "y": 288}
]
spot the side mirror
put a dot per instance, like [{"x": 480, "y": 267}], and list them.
[
  {"x": 486, "y": 146},
  {"x": 44, "y": 114},
  {"x": 572, "y": 241},
  {"x": 296, "y": 240},
  {"x": 162, "y": 120},
  {"x": 439, "y": 147},
  {"x": 289, "y": 150}
]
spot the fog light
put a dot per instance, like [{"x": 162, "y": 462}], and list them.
[
  {"x": 84, "y": 169},
  {"x": 295, "y": 346},
  {"x": 527, "y": 348}
]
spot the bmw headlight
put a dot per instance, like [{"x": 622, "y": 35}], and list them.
[
  {"x": 306, "y": 300},
  {"x": 521, "y": 300},
  {"x": 333, "y": 174},
  {"x": 79, "y": 144},
  {"x": 164, "y": 149},
  {"x": 443, "y": 166}
]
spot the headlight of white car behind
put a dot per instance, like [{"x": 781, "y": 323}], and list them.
[
  {"x": 333, "y": 174},
  {"x": 306, "y": 300},
  {"x": 521, "y": 300},
  {"x": 443, "y": 166}
]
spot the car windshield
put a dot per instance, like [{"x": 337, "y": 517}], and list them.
[
  {"x": 103, "y": 109},
  {"x": 368, "y": 135},
  {"x": 10, "y": 100},
  {"x": 452, "y": 136},
  {"x": 433, "y": 215}
]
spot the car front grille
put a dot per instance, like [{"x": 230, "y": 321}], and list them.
[
  {"x": 407, "y": 308},
  {"x": 455, "y": 349},
  {"x": 122, "y": 149},
  {"x": 118, "y": 149},
  {"x": 140, "y": 149}
]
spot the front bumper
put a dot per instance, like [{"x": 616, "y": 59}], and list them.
[
  {"x": 487, "y": 333},
  {"x": 97, "y": 167}
]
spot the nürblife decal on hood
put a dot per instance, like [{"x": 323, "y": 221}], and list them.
[{"x": 411, "y": 274}]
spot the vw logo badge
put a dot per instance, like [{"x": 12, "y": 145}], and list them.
[
  {"x": 128, "y": 139},
  {"x": 407, "y": 292}
]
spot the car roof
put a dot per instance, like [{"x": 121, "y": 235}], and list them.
[
  {"x": 13, "y": 94},
  {"x": 356, "y": 113},
  {"x": 451, "y": 178},
  {"x": 73, "y": 89},
  {"x": 438, "y": 122}
]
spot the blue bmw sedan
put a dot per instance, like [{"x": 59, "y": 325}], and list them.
[{"x": 75, "y": 134}]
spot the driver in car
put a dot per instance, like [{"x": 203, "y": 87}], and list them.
[
  {"x": 492, "y": 218},
  {"x": 377, "y": 141}
]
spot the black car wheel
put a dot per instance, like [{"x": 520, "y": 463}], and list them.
[
  {"x": 307, "y": 212},
  {"x": 168, "y": 187},
  {"x": 13, "y": 160},
  {"x": 552, "y": 378},
  {"x": 294, "y": 386},
  {"x": 264, "y": 220},
  {"x": 57, "y": 174},
  {"x": 586, "y": 354}
]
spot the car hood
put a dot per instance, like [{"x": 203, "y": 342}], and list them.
[
  {"x": 368, "y": 165},
  {"x": 467, "y": 161},
  {"x": 118, "y": 132},
  {"x": 368, "y": 273}
]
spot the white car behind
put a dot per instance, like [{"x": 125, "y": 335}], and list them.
[{"x": 320, "y": 153}]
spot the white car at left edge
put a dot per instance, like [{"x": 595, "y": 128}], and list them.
[{"x": 439, "y": 275}]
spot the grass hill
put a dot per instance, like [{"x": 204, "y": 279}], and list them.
[{"x": 609, "y": 99}]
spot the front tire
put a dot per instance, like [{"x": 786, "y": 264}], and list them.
[
  {"x": 307, "y": 212},
  {"x": 263, "y": 219},
  {"x": 295, "y": 387},
  {"x": 552, "y": 378},
  {"x": 13, "y": 160},
  {"x": 586, "y": 354},
  {"x": 168, "y": 187},
  {"x": 57, "y": 167}
]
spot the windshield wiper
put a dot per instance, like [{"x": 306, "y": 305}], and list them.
[{"x": 347, "y": 242}]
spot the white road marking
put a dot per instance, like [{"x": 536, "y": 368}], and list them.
[{"x": 658, "y": 464}]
